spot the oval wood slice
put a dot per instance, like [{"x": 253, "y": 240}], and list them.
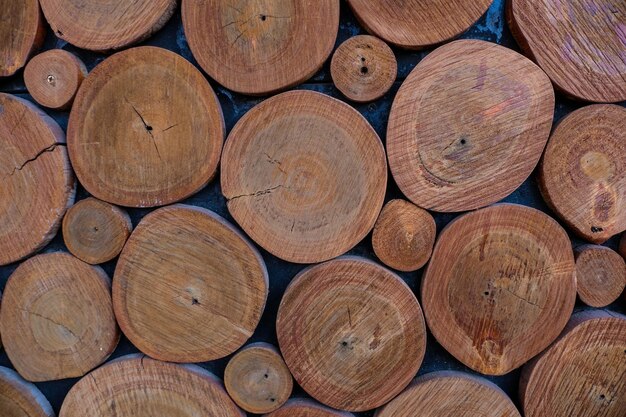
[
  {"x": 129, "y": 140},
  {"x": 134, "y": 385},
  {"x": 499, "y": 287},
  {"x": 583, "y": 171},
  {"x": 36, "y": 177},
  {"x": 468, "y": 126},
  {"x": 359, "y": 341},
  {"x": 306, "y": 408},
  {"x": 261, "y": 46},
  {"x": 188, "y": 286},
  {"x": 19, "y": 398},
  {"x": 582, "y": 374},
  {"x": 579, "y": 44},
  {"x": 22, "y": 32},
  {"x": 600, "y": 275},
  {"x": 305, "y": 176}
]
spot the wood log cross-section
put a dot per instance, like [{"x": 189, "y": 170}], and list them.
[{"x": 22, "y": 31}]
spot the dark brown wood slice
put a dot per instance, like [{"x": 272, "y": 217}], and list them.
[
  {"x": 600, "y": 275},
  {"x": 22, "y": 32},
  {"x": 19, "y": 398}
]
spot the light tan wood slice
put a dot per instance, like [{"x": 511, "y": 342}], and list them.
[
  {"x": 299, "y": 407},
  {"x": 261, "y": 46},
  {"x": 188, "y": 286},
  {"x": 36, "y": 177},
  {"x": 304, "y": 175},
  {"x": 583, "y": 171},
  {"x": 351, "y": 332},
  {"x": 468, "y": 126},
  {"x": 22, "y": 32},
  {"x": 600, "y": 275},
  {"x": 19, "y": 398},
  {"x": 500, "y": 286},
  {"x": 582, "y": 373},
  {"x": 129, "y": 139}
]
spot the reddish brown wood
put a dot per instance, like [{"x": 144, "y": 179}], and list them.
[
  {"x": 19, "y": 398},
  {"x": 22, "y": 32},
  {"x": 600, "y": 275},
  {"x": 306, "y": 408}
]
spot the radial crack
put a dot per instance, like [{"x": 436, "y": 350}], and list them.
[
  {"x": 147, "y": 127},
  {"x": 256, "y": 193},
  {"x": 522, "y": 298},
  {"x": 34, "y": 158},
  {"x": 52, "y": 321}
]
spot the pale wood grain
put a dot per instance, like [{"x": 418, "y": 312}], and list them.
[
  {"x": 19, "y": 398},
  {"x": 600, "y": 275},
  {"x": 22, "y": 32}
]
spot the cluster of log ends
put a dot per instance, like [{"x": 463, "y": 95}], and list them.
[
  {"x": 22, "y": 32},
  {"x": 19, "y": 398},
  {"x": 600, "y": 275}
]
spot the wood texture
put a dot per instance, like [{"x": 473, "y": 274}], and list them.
[
  {"x": 19, "y": 398},
  {"x": 36, "y": 177},
  {"x": 128, "y": 135},
  {"x": 351, "y": 332},
  {"x": 468, "y": 126},
  {"x": 600, "y": 275},
  {"x": 188, "y": 286},
  {"x": 261, "y": 46},
  {"x": 306, "y": 408},
  {"x": 22, "y": 32},
  {"x": 583, "y": 172},
  {"x": 499, "y": 287}
]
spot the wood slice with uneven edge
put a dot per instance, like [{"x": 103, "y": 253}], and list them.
[
  {"x": 36, "y": 177},
  {"x": 304, "y": 175},
  {"x": 188, "y": 286},
  {"x": 600, "y": 275},
  {"x": 129, "y": 139},
  {"x": 57, "y": 319},
  {"x": 468, "y": 126},
  {"x": 582, "y": 373},
  {"x": 500, "y": 286},
  {"x": 261, "y": 46},
  {"x": 358, "y": 341},
  {"x": 138, "y": 386},
  {"x": 582, "y": 175},
  {"x": 297, "y": 407},
  {"x": 22, "y": 32},
  {"x": 580, "y": 44},
  {"x": 19, "y": 398}
]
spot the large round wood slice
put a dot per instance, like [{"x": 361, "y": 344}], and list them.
[
  {"x": 19, "y": 398},
  {"x": 468, "y": 126},
  {"x": 581, "y": 45},
  {"x": 306, "y": 408},
  {"x": 581, "y": 374},
  {"x": 36, "y": 177},
  {"x": 351, "y": 332},
  {"x": 305, "y": 176},
  {"x": 188, "y": 286},
  {"x": 499, "y": 287},
  {"x": 600, "y": 275},
  {"x": 583, "y": 171},
  {"x": 137, "y": 386},
  {"x": 22, "y": 32},
  {"x": 261, "y": 46},
  {"x": 129, "y": 139}
]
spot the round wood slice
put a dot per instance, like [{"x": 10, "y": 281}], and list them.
[
  {"x": 582, "y": 374},
  {"x": 581, "y": 45},
  {"x": 57, "y": 319},
  {"x": 22, "y": 32},
  {"x": 468, "y": 126},
  {"x": 305, "y": 176},
  {"x": 134, "y": 385},
  {"x": 19, "y": 398},
  {"x": 583, "y": 171},
  {"x": 53, "y": 78},
  {"x": 129, "y": 139},
  {"x": 600, "y": 275},
  {"x": 95, "y": 231},
  {"x": 352, "y": 333},
  {"x": 188, "y": 286},
  {"x": 261, "y": 47},
  {"x": 36, "y": 177},
  {"x": 258, "y": 379},
  {"x": 306, "y": 408},
  {"x": 103, "y": 25},
  {"x": 499, "y": 287}
]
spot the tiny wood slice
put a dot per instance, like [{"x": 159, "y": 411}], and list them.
[
  {"x": 95, "y": 231},
  {"x": 129, "y": 139},
  {"x": 22, "y": 31},
  {"x": 37, "y": 184},
  {"x": 582, "y": 374},
  {"x": 257, "y": 379},
  {"x": 57, "y": 319},
  {"x": 351, "y": 332},
  {"x": 306, "y": 408},
  {"x": 19, "y": 398},
  {"x": 305, "y": 176},
  {"x": 364, "y": 68},
  {"x": 600, "y": 275},
  {"x": 188, "y": 286},
  {"x": 468, "y": 126},
  {"x": 583, "y": 171},
  {"x": 260, "y": 46},
  {"x": 500, "y": 286},
  {"x": 53, "y": 78}
]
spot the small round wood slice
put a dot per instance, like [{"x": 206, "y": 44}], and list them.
[
  {"x": 36, "y": 177},
  {"x": 129, "y": 139},
  {"x": 134, "y": 385},
  {"x": 22, "y": 32},
  {"x": 188, "y": 286},
  {"x": 581, "y": 374},
  {"x": 583, "y": 171},
  {"x": 305, "y": 176},
  {"x": 19, "y": 398},
  {"x": 306, "y": 408},
  {"x": 261, "y": 47},
  {"x": 600, "y": 275},
  {"x": 468, "y": 126},
  {"x": 580, "y": 44},
  {"x": 499, "y": 287},
  {"x": 352, "y": 333},
  {"x": 57, "y": 319}
]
